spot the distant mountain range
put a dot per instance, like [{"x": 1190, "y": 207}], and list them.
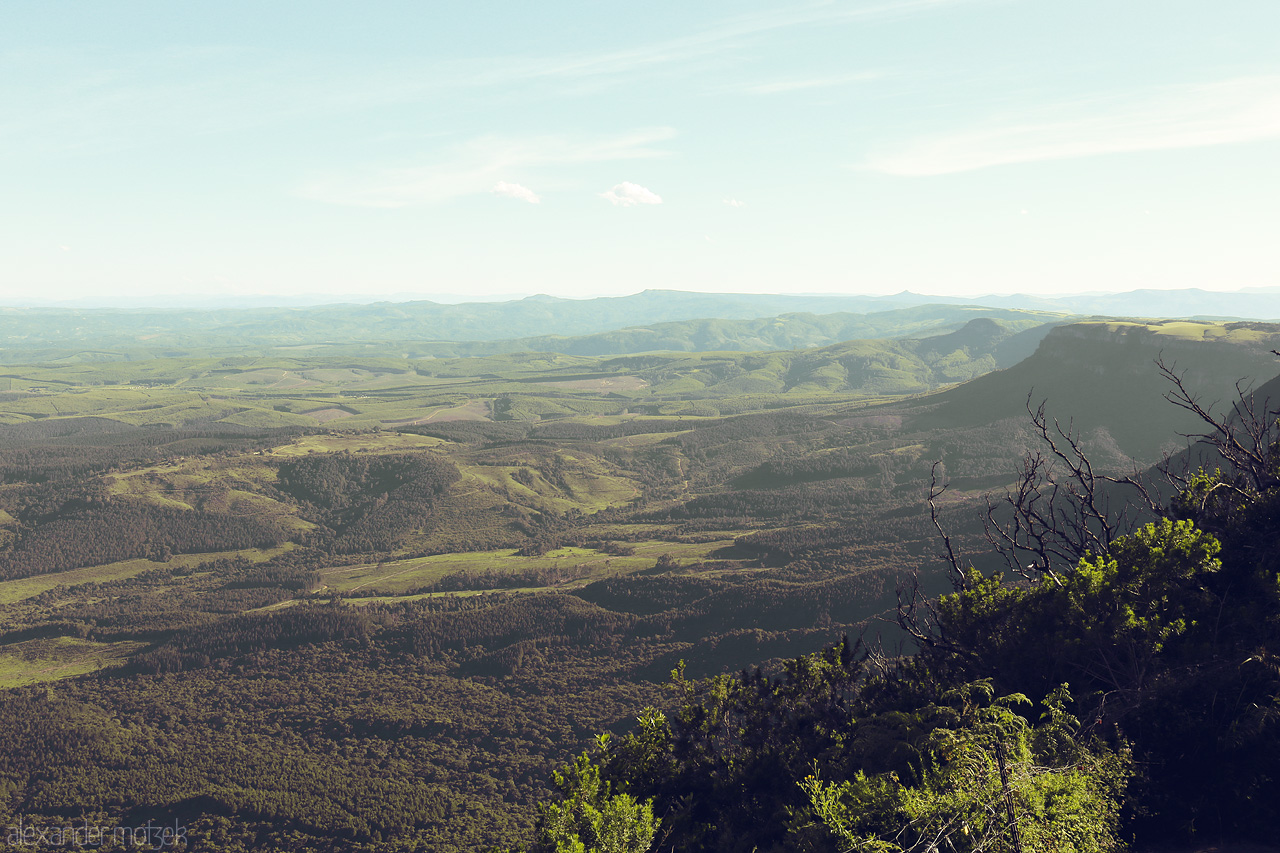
[
  {"x": 648, "y": 321},
  {"x": 782, "y": 332},
  {"x": 427, "y": 330},
  {"x": 656, "y": 306}
]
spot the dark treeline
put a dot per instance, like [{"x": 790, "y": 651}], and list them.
[
  {"x": 69, "y": 448},
  {"x": 909, "y": 531},
  {"x": 470, "y": 432},
  {"x": 769, "y": 605},
  {"x": 198, "y": 647},
  {"x": 830, "y": 465},
  {"x": 123, "y": 530},
  {"x": 515, "y": 620},
  {"x": 645, "y": 596},
  {"x": 290, "y": 577},
  {"x": 129, "y": 609},
  {"x": 370, "y": 502},
  {"x": 337, "y": 480},
  {"x": 594, "y": 432}
]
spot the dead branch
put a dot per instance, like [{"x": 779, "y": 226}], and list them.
[
  {"x": 955, "y": 570},
  {"x": 1245, "y": 438},
  {"x": 1060, "y": 510}
]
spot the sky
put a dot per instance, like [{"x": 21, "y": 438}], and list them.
[{"x": 160, "y": 151}]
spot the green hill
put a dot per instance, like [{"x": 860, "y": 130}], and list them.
[
  {"x": 1101, "y": 378},
  {"x": 783, "y": 332}
]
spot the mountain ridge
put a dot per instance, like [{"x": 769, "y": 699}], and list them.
[{"x": 1090, "y": 370}]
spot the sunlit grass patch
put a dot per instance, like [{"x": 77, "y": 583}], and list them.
[
  {"x": 33, "y": 661},
  {"x": 376, "y": 442},
  {"x": 402, "y": 576},
  {"x": 24, "y": 588}
]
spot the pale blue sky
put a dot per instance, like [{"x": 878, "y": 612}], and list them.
[{"x": 600, "y": 148}]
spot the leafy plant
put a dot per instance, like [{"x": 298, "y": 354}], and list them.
[
  {"x": 985, "y": 780},
  {"x": 592, "y": 819}
]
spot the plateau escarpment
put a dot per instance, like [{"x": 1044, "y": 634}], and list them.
[{"x": 1101, "y": 379}]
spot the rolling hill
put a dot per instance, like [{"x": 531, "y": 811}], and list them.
[{"x": 1101, "y": 377}]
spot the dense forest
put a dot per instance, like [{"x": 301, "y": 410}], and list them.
[{"x": 707, "y": 588}]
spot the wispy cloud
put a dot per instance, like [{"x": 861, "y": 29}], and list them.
[
  {"x": 730, "y": 32},
  {"x": 474, "y": 167},
  {"x": 812, "y": 83},
  {"x": 627, "y": 194},
  {"x": 94, "y": 99},
  {"x": 58, "y": 100},
  {"x": 733, "y": 202},
  {"x": 516, "y": 191},
  {"x": 1246, "y": 109}
]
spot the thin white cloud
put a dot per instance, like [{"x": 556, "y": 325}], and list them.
[
  {"x": 627, "y": 194},
  {"x": 712, "y": 40},
  {"x": 475, "y": 166},
  {"x": 1246, "y": 109},
  {"x": 516, "y": 191},
  {"x": 93, "y": 100},
  {"x": 733, "y": 202}
]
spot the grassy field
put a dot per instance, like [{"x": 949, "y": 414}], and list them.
[
  {"x": 19, "y": 590},
  {"x": 587, "y": 489},
  {"x": 34, "y": 661},
  {"x": 377, "y": 442},
  {"x": 401, "y": 576}
]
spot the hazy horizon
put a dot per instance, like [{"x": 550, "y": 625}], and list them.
[{"x": 198, "y": 301}]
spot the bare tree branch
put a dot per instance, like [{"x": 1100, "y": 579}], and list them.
[
  {"x": 1245, "y": 438},
  {"x": 1060, "y": 509},
  {"x": 954, "y": 569}
]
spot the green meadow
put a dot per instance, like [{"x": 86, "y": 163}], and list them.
[
  {"x": 585, "y": 564},
  {"x": 53, "y": 659}
]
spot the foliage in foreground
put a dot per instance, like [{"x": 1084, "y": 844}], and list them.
[
  {"x": 985, "y": 780},
  {"x": 1165, "y": 634},
  {"x": 591, "y": 817},
  {"x": 752, "y": 763}
]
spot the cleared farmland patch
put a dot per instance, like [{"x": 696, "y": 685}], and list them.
[
  {"x": 324, "y": 416},
  {"x": 602, "y": 384},
  {"x": 381, "y": 442},
  {"x": 34, "y": 661},
  {"x": 401, "y": 577}
]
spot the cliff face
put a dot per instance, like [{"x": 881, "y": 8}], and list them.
[{"x": 1103, "y": 376}]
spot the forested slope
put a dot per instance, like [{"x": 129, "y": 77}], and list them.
[{"x": 385, "y": 632}]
